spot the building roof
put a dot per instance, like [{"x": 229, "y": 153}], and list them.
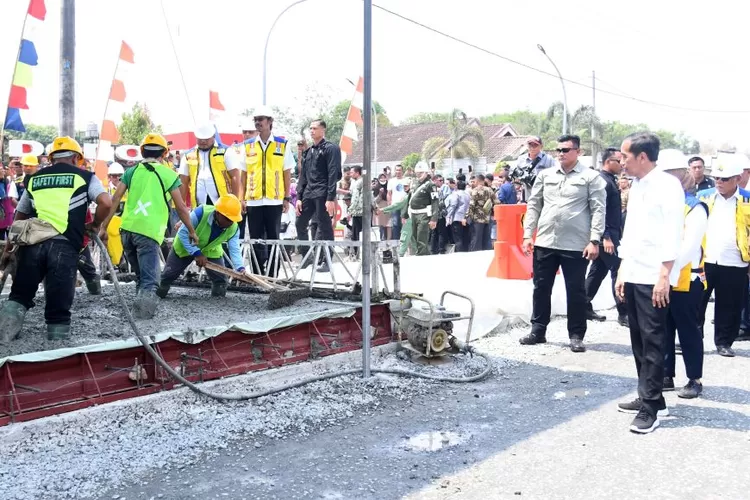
[{"x": 504, "y": 147}]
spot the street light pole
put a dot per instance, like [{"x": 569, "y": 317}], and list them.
[
  {"x": 268, "y": 38},
  {"x": 565, "y": 96}
]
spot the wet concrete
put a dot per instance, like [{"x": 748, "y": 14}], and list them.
[{"x": 97, "y": 319}]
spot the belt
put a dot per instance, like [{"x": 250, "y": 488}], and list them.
[{"x": 427, "y": 211}]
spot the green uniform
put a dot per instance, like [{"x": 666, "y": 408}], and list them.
[
  {"x": 149, "y": 192},
  {"x": 423, "y": 207},
  {"x": 212, "y": 249}
]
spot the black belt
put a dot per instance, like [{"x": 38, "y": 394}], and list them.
[{"x": 697, "y": 270}]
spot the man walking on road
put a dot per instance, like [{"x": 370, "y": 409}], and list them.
[
  {"x": 650, "y": 246},
  {"x": 566, "y": 207}
]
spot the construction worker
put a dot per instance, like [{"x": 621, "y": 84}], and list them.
[
  {"x": 28, "y": 164},
  {"x": 423, "y": 209},
  {"x": 204, "y": 172},
  {"x": 53, "y": 208},
  {"x": 249, "y": 132},
  {"x": 215, "y": 226},
  {"x": 150, "y": 185},
  {"x": 266, "y": 167},
  {"x": 114, "y": 242}
]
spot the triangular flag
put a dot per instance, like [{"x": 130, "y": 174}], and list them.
[
  {"x": 37, "y": 9},
  {"x": 126, "y": 53},
  {"x": 214, "y": 102}
]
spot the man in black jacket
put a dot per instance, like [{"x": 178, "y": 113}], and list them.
[{"x": 316, "y": 189}]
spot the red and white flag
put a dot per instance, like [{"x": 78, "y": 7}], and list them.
[
  {"x": 215, "y": 107},
  {"x": 353, "y": 119}
]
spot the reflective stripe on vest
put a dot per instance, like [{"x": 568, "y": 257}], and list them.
[
  {"x": 146, "y": 212},
  {"x": 57, "y": 194},
  {"x": 218, "y": 171},
  {"x": 742, "y": 221},
  {"x": 687, "y": 273},
  {"x": 265, "y": 169},
  {"x": 210, "y": 248}
]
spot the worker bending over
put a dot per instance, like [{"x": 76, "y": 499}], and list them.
[
  {"x": 51, "y": 218},
  {"x": 150, "y": 185},
  {"x": 215, "y": 225}
]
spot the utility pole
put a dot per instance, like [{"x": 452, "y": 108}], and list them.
[
  {"x": 594, "y": 145},
  {"x": 68, "y": 68},
  {"x": 367, "y": 193}
]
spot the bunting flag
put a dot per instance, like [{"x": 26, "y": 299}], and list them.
[
  {"x": 353, "y": 119},
  {"x": 113, "y": 111},
  {"x": 214, "y": 106},
  {"x": 27, "y": 59}
]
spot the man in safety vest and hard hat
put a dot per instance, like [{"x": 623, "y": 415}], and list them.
[
  {"x": 114, "y": 241},
  {"x": 150, "y": 186},
  {"x": 203, "y": 171},
  {"x": 54, "y": 207},
  {"x": 28, "y": 165},
  {"x": 266, "y": 165},
  {"x": 215, "y": 226},
  {"x": 249, "y": 132}
]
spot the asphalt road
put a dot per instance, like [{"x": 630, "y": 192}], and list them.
[{"x": 545, "y": 427}]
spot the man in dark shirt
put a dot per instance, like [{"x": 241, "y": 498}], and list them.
[
  {"x": 608, "y": 259},
  {"x": 316, "y": 189},
  {"x": 698, "y": 167}
]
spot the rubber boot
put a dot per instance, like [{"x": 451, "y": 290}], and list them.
[
  {"x": 12, "y": 315},
  {"x": 58, "y": 332},
  {"x": 145, "y": 305},
  {"x": 218, "y": 290},
  {"x": 163, "y": 290},
  {"x": 94, "y": 286}
]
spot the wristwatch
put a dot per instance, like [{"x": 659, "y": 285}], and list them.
[
  {"x": 595, "y": 242},
  {"x": 288, "y": 198}
]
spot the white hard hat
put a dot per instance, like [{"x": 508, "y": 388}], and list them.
[
  {"x": 115, "y": 169},
  {"x": 671, "y": 159},
  {"x": 421, "y": 167},
  {"x": 727, "y": 165},
  {"x": 263, "y": 111},
  {"x": 205, "y": 131},
  {"x": 248, "y": 124},
  {"x": 742, "y": 161}
]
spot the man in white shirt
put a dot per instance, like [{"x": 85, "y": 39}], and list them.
[
  {"x": 396, "y": 193},
  {"x": 650, "y": 245},
  {"x": 727, "y": 253}
]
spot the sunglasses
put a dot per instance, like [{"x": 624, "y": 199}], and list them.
[{"x": 565, "y": 150}]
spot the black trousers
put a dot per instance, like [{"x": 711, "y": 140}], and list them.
[
  {"x": 243, "y": 224},
  {"x": 356, "y": 231},
  {"x": 439, "y": 237},
  {"x": 264, "y": 222},
  {"x": 603, "y": 264},
  {"x": 324, "y": 232},
  {"x": 460, "y": 236},
  {"x": 729, "y": 283},
  {"x": 479, "y": 236},
  {"x": 546, "y": 263},
  {"x": 86, "y": 265},
  {"x": 56, "y": 263},
  {"x": 682, "y": 317},
  {"x": 647, "y": 333}
]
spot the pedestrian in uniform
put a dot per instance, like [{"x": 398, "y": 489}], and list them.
[
  {"x": 423, "y": 209},
  {"x": 150, "y": 186},
  {"x": 54, "y": 204},
  {"x": 650, "y": 245}
]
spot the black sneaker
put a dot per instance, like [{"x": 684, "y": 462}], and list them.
[
  {"x": 576, "y": 345},
  {"x": 635, "y": 406},
  {"x": 644, "y": 422},
  {"x": 623, "y": 321},
  {"x": 592, "y": 316},
  {"x": 668, "y": 384},
  {"x": 533, "y": 339},
  {"x": 693, "y": 389},
  {"x": 744, "y": 336},
  {"x": 725, "y": 350}
]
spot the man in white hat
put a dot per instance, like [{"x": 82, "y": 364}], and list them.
[
  {"x": 266, "y": 165},
  {"x": 423, "y": 208},
  {"x": 204, "y": 172},
  {"x": 249, "y": 132}
]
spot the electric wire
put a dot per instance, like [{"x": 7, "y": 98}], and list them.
[{"x": 177, "y": 59}]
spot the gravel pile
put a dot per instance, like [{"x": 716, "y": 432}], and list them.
[
  {"x": 100, "y": 318},
  {"x": 83, "y": 454}
]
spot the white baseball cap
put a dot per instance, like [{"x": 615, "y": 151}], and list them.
[
  {"x": 205, "y": 131},
  {"x": 727, "y": 165},
  {"x": 671, "y": 159},
  {"x": 421, "y": 167},
  {"x": 115, "y": 169}
]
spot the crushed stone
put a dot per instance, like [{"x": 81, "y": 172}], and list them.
[{"x": 99, "y": 318}]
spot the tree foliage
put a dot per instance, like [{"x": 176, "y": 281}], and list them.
[
  {"x": 426, "y": 118},
  {"x": 136, "y": 124},
  {"x": 464, "y": 140},
  {"x": 410, "y": 161}
]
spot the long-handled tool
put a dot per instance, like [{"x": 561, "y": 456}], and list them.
[
  {"x": 280, "y": 296},
  {"x": 10, "y": 267}
]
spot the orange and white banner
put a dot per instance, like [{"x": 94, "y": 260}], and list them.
[{"x": 353, "y": 119}]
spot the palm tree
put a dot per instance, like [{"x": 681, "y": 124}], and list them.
[
  {"x": 465, "y": 140},
  {"x": 584, "y": 121}
]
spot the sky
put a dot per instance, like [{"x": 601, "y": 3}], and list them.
[{"x": 678, "y": 53}]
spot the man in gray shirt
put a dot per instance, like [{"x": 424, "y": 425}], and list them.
[{"x": 567, "y": 209}]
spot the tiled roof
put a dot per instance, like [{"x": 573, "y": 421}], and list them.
[{"x": 502, "y": 148}]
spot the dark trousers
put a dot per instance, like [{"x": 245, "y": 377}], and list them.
[
  {"x": 682, "y": 317},
  {"x": 546, "y": 263},
  {"x": 439, "y": 237},
  {"x": 729, "y": 284},
  {"x": 143, "y": 256},
  {"x": 176, "y": 265},
  {"x": 647, "y": 333},
  {"x": 86, "y": 265},
  {"x": 243, "y": 224},
  {"x": 460, "y": 236},
  {"x": 356, "y": 231},
  {"x": 56, "y": 263},
  {"x": 315, "y": 207},
  {"x": 480, "y": 234},
  {"x": 264, "y": 222},
  {"x": 603, "y": 264},
  {"x": 396, "y": 224}
]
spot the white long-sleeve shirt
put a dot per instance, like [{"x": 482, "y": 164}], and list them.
[
  {"x": 696, "y": 223},
  {"x": 721, "y": 235},
  {"x": 653, "y": 229}
]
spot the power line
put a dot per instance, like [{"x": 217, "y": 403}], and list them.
[
  {"x": 546, "y": 73},
  {"x": 179, "y": 66}
]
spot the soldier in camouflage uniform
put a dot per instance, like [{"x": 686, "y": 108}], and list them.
[
  {"x": 480, "y": 208},
  {"x": 423, "y": 209}
]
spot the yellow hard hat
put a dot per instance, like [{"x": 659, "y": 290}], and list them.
[
  {"x": 155, "y": 140},
  {"x": 230, "y": 207},
  {"x": 65, "y": 143},
  {"x": 30, "y": 160}
]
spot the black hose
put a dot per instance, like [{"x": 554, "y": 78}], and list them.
[{"x": 245, "y": 397}]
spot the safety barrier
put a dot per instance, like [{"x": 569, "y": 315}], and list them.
[{"x": 509, "y": 261}]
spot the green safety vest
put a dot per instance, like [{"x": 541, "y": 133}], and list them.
[
  {"x": 147, "y": 207},
  {"x": 210, "y": 249},
  {"x": 60, "y": 197}
]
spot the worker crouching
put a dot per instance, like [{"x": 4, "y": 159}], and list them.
[
  {"x": 48, "y": 230},
  {"x": 214, "y": 227},
  {"x": 150, "y": 186}
]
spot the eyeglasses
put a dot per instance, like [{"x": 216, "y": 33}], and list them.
[{"x": 565, "y": 150}]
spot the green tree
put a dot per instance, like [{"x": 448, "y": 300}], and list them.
[
  {"x": 336, "y": 118},
  {"x": 43, "y": 134},
  {"x": 136, "y": 124},
  {"x": 463, "y": 141},
  {"x": 426, "y": 118},
  {"x": 410, "y": 161}
]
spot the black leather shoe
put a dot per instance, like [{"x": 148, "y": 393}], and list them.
[
  {"x": 693, "y": 389},
  {"x": 725, "y": 351},
  {"x": 533, "y": 339},
  {"x": 744, "y": 336},
  {"x": 623, "y": 321},
  {"x": 592, "y": 316},
  {"x": 576, "y": 345},
  {"x": 668, "y": 384}
]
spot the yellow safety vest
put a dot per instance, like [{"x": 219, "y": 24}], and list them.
[
  {"x": 218, "y": 171},
  {"x": 742, "y": 219},
  {"x": 265, "y": 169},
  {"x": 686, "y": 273}
]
